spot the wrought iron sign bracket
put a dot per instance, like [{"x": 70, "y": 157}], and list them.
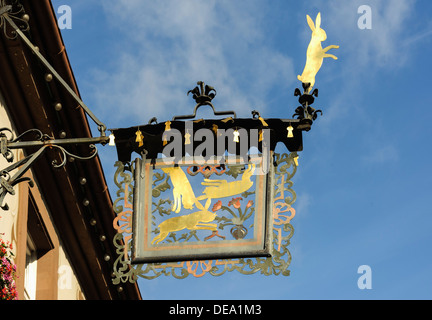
[
  {"x": 43, "y": 142},
  {"x": 9, "y": 13}
]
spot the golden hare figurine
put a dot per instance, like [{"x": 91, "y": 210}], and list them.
[{"x": 315, "y": 53}]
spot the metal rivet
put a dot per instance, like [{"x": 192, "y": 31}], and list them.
[
  {"x": 83, "y": 181},
  {"x": 93, "y": 222},
  {"x": 86, "y": 202},
  {"x": 107, "y": 257},
  {"x": 102, "y": 238},
  {"x": 48, "y": 77},
  {"x": 62, "y": 134},
  {"x": 25, "y": 17},
  {"x": 58, "y": 106}
]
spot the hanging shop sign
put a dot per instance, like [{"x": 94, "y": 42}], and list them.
[
  {"x": 202, "y": 196},
  {"x": 207, "y": 195}
]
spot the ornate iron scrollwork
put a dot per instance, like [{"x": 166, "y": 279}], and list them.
[
  {"x": 305, "y": 113},
  {"x": 203, "y": 95},
  {"x": 15, "y": 10},
  {"x": 14, "y": 22},
  {"x": 43, "y": 141}
]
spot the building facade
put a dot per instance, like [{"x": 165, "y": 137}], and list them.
[{"x": 61, "y": 225}]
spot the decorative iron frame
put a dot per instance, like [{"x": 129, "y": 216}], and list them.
[{"x": 285, "y": 167}]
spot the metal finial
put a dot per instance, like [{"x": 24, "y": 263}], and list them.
[{"x": 203, "y": 93}]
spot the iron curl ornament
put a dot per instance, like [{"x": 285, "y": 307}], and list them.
[
  {"x": 37, "y": 140},
  {"x": 15, "y": 11}
]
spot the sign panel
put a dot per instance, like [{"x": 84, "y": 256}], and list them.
[{"x": 202, "y": 210}]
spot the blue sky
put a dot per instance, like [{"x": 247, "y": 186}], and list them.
[{"x": 363, "y": 185}]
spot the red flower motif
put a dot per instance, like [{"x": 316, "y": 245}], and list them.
[
  {"x": 235, "y": 202},
  {"x": 217, "y": 206},
  {"x": 249, "y": 204}
]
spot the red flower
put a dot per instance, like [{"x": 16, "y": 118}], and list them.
[
  {"x": 249, "y": 204},
  {"x": 217, "y": 206},
  {"x": 7, "y": 272},
  {"x": 235, "y": 202}
]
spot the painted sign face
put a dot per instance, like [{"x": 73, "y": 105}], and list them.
[{"x": 193, "y": 211}]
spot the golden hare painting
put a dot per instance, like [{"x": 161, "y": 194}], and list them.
[
  {"x": 315, "y": 53},
  {"x": 201, "y": 202}
]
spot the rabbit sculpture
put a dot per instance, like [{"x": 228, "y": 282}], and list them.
[{"x": 315, "y": 53}]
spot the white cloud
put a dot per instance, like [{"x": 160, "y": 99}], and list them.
[
  {"x": 302, "y": 204},
  {"x": 382, "y": 155},
  {"x": 169, "y": 45}
]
